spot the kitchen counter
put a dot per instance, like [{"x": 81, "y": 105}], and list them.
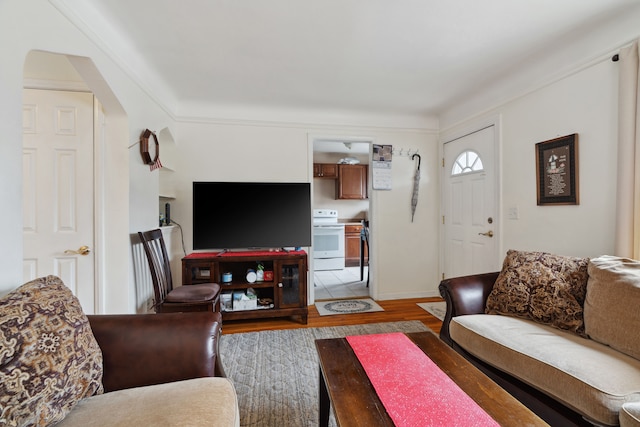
[
  {"x": 355, "y": 249},
  {"x": 351, "y": 221}
]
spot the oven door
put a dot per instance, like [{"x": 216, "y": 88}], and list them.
[{"x": 328, "y": 241}]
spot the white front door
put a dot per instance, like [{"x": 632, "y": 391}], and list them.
[
  {"x": 58, "y": 186},
  {"x": 469, "y": 204}
]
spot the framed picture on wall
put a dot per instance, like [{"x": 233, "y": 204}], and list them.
[{"x": 557, "y": 171}]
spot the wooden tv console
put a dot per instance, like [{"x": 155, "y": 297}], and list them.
[{"x": 283, "y": 295}]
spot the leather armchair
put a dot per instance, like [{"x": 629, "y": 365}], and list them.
[
  {"x": 465, "y": 295},
  {"x": 148, "y": 349}
]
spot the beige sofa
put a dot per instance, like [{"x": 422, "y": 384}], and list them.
[
  {"x": 60, "y": 367},
  {"x": 561, "y": 334}
]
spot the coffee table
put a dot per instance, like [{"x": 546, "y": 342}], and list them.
[{"x": 345, "y": 386}]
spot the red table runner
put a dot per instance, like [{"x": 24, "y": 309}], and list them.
[{"x": 413, "y": 390}]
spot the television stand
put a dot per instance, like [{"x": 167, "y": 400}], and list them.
[{"x": 283, "y": 293}]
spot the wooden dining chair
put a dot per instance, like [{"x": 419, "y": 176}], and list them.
[
  {"x": 364, "y": 243},
  {"x": 200, "y": 297}
]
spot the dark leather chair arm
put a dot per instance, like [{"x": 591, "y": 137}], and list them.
[
  {"x": 147, "y": 349},
  {"x": 464, "y": 295}
]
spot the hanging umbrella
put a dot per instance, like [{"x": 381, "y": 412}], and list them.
[{"x": 416, "y": 187}]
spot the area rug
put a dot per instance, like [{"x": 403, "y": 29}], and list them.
[
  {"x": 438, "y": 309},
  {"x": 275, "y": 373},
  {"x": 347, "y": 306}
]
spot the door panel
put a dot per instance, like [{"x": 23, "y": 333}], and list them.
[
  {"x": 469, "y": 205},
  {"x": 58, "y": 189}
]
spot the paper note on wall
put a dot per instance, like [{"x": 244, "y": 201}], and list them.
[{"x": 381, "y": 173}]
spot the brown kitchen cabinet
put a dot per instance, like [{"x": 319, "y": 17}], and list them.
[
  {"x": 352, "y": 246},
  {"x": 352, "y": 182},
  {"x": 325, "y": 170}
]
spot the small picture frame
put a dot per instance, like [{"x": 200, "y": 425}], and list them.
[{"x": 557, "y": 171}]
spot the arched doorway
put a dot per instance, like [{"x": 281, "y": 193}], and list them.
[{"x": 65, "y": 73}]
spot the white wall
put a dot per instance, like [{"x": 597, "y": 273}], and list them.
[
  {"x": 404, "y": 254},
  {"x": 27, "y": 25},
  {"x": 582, "y": 103},
  {"x": 407, "y": 252}
]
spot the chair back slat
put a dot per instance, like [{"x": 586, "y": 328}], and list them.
[{"x": 158, "y": 260}]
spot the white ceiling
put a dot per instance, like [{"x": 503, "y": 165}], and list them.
[
  {"x": 413, "y": 58},
  {"x": 342, "y": 147}
]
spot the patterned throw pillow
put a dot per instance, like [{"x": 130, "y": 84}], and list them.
[
  {"x": 49, "y": 358},
  {"x": 546, "y": 288}
]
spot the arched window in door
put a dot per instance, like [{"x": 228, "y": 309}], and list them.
[{"x": 467, "y": 162}]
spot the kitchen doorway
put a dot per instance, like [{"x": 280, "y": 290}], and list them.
[{"x": 341, "y": 184}]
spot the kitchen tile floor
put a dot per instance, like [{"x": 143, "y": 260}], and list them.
[{"x": 332, "y": 284}]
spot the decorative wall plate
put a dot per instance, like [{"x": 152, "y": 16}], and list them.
[{"x": 144, "y": 147}]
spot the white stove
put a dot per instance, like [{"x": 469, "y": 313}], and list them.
[{"x": 328, "y": 240}]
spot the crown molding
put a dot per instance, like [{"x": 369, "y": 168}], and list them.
[
  {"x": 87, "y": 25},
  {"x": 308, "y": 125}
]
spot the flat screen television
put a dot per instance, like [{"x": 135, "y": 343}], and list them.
[{"x": 251, "y": 215}]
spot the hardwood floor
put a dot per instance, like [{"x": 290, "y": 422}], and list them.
[{"x": 394, "y": 311}]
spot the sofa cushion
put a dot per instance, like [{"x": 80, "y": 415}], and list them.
[
  {"x": 49, "y": 358},
  {"x": 591, "y": 378},
  {"x": 210, "y": 401},
  {"x": 630, "y": 415},
  {"x": 611, "y": 306},
  {"x": 546, "y": 288}
]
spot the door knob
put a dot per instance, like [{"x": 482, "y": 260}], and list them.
[
  {"x": 82, "y": 250},
  {"x": 488, "y": 233}
]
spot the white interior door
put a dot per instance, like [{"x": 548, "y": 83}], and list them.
[
  {"x": 469, "y": 204},
  {"x": 58, "y": 187}
]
